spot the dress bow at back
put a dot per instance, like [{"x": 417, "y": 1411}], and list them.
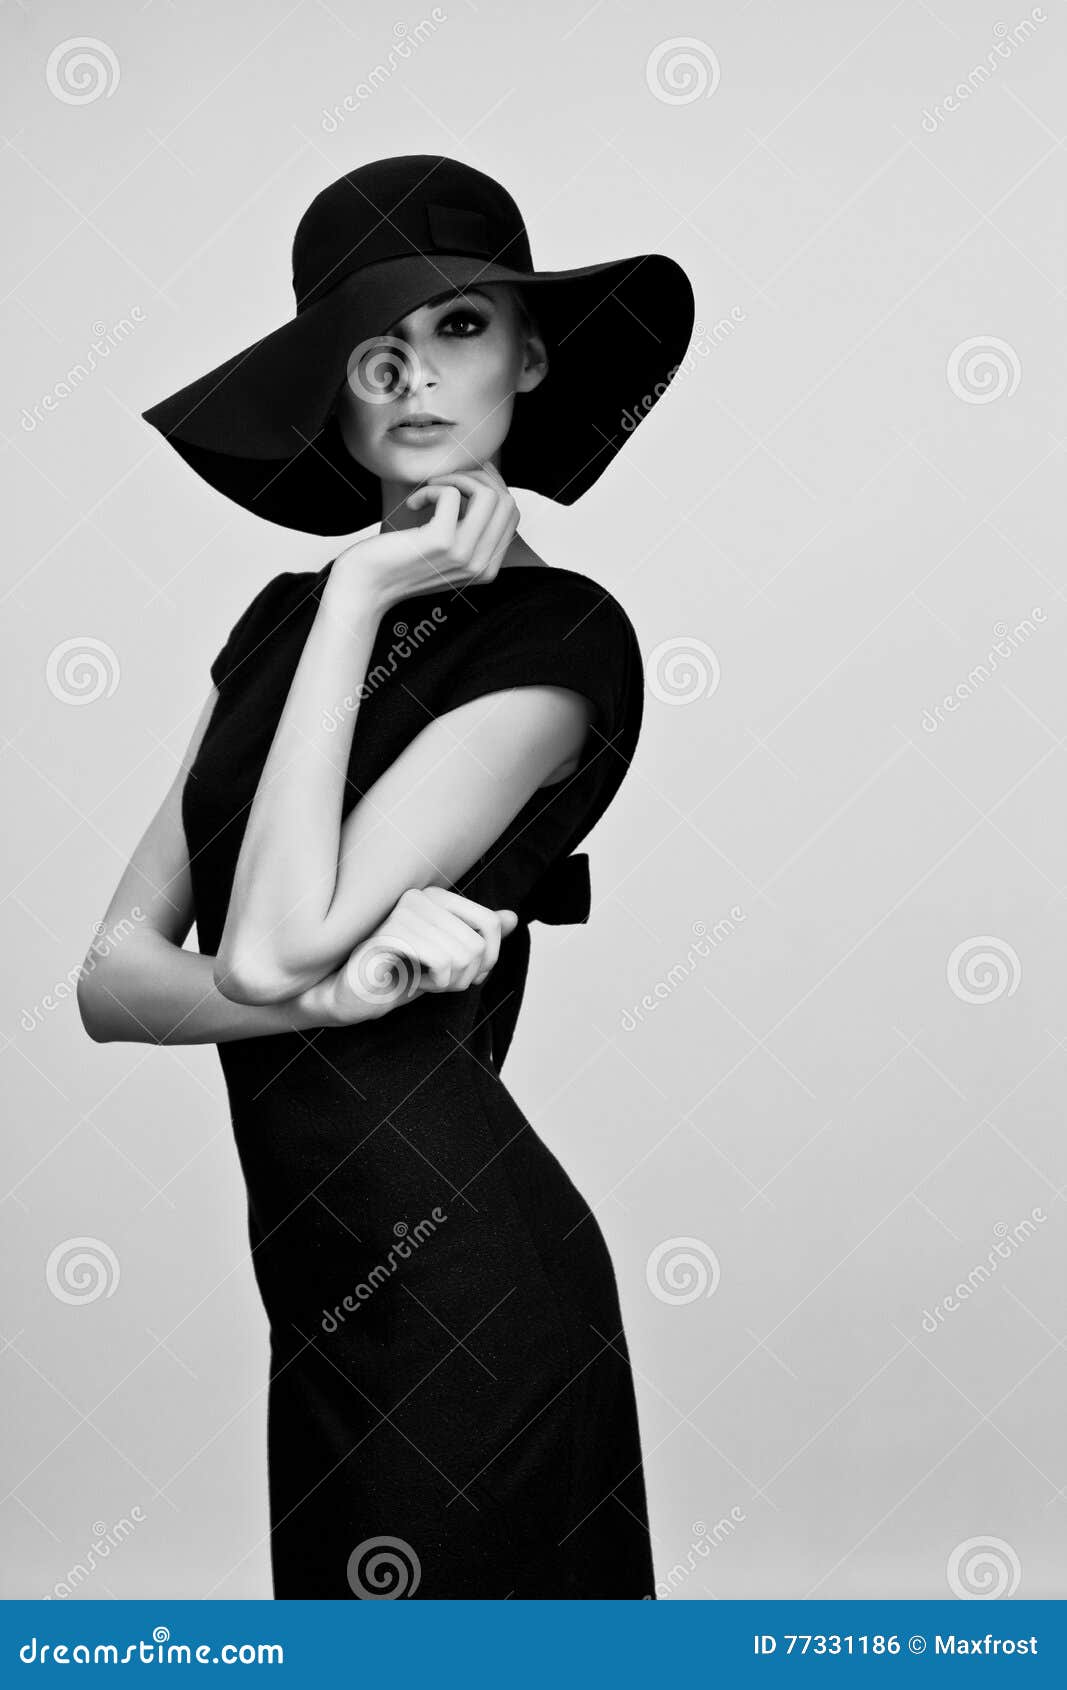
[{"x": 561, "y": 895}]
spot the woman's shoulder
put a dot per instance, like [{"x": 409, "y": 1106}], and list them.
[
  {"x": 270, "y": 597},
  {"x": 268, "y": 609},
  {"x": 553, "y": 588}
]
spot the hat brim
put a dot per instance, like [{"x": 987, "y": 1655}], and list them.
[{"x": 259, "y": 427}]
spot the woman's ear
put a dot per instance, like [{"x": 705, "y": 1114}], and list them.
[{"x": 535, "y": 363}]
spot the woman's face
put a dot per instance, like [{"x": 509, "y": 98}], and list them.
[{"x": 462, "y": 359}]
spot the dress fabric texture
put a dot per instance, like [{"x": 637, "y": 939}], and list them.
[{"x": 451, "y": 1408}]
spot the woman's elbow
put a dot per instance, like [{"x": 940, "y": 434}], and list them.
[
  {"x": 95, "y": 1029},
  {"x": 91, "y": 1009},
  {"x": 244, "y": 981}
]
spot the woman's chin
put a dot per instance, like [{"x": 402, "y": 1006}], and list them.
[{"x": 412, "y": 463}]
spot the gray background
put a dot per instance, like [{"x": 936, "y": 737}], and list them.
[{"x": 819, "y": 534}]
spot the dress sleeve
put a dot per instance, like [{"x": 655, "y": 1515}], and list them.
[
  {"x": 252, "y": 627},
  {"x": 556, "y": 632},
  {"x": 559, "y": 632}
]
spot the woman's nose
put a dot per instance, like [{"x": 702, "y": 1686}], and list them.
[{"x": 419, "y": 370}]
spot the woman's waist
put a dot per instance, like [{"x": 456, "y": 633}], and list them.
[{"x": 407, "y": 1045}]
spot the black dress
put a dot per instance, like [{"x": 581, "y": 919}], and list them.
[{"x": 451, "y": 1410}]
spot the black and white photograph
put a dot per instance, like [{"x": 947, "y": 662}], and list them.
[{"x": 536, "y": 847}]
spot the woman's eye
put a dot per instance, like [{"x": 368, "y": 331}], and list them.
[{"x": 464, "y": 316}]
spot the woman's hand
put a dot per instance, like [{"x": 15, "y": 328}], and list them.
[
  {"x": 432, "y": 941},
  {"x": 455, "y": 547}
]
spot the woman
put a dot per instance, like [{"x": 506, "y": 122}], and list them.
[{"x": 385, "y": 787}]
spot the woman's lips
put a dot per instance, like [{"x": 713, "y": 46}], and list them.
[{"x": 416, "y": 432}]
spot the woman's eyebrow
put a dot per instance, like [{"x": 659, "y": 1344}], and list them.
[
  {"x": 440, "y": 299},
  {"x": 458, "y": 293}
]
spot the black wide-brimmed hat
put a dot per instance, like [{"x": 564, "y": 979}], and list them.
[{"x": 374, "y": 246}]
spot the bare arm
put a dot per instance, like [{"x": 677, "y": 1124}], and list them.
[
  {"x": 165, "y": 995},
  {"x": 308, "y": 889},
  {"x": 138, "y": 983}
]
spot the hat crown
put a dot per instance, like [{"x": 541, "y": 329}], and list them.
[{"x": 419, "y": 203}]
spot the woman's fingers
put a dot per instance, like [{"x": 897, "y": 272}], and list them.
[
  {"x": 490, "y": 926},
  {"x": 495, "y": 539},
  {"x": 452, "y": 940},
  {"x": 449, "y": 540},
  {"x": 482, "y": 502},
  {"x": 459, "y": 939},
  {"x": 503, "y": 522},
  {"x": 446, "y": 501},
  {"x": 434, "y": 940},
  {"x": 490, "y": 508}
]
